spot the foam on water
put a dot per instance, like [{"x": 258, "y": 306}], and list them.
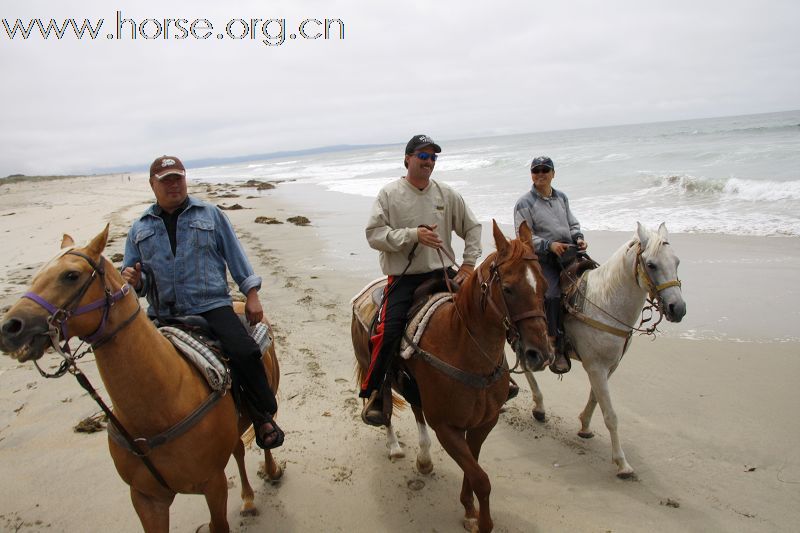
[{"x": 734, "y": 175}]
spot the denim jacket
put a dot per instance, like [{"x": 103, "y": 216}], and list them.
[{"x": 194, "y": 280}]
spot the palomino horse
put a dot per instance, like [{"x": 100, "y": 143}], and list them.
[
  {"x": 613, "y": 297},
  {"x": 461, "y": 399},
  {"x": 151, "y": 386}
]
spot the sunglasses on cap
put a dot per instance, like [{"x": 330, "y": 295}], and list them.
[
  {"x": 541, "y": 170},
  {"x": 425, "y": 156}
]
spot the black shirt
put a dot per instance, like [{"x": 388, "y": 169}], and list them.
[{"x": 171, "y": 222}]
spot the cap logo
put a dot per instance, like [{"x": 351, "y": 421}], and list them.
[
  {"x": 424, "y": 139},
  {"x": 167, "y": 163}
]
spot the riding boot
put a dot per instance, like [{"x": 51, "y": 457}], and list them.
[
  {"x": 552, "y": 308},
  {"x": 373, "y": 411}
]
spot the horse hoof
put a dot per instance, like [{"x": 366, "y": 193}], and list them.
[
  {"x": 471, "y": 525},
  {"x": 585, "y": 434},
  {"x": 205, "y": 528},
  {"x": 396, "y": 454},
  {"x": 626, "y": 474},
  {"x": 424, "y": 468},
  {"x": 248, "y": 509},
  {"x": 539, "y": 416},
  {"x": 272, "y": 474}
]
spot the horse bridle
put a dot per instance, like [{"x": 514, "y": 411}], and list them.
[
  {"x": 59, "y": 316},
  {"x": 653, "y": 290},
  {"x": 509, "y": 321}
]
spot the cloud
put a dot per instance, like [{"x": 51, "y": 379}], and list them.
[{"x": 450, "y": 68}]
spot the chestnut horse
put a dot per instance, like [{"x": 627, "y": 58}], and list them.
[
  {"x": 152, "y": 387},
  {"x": 503, "y": 298}
]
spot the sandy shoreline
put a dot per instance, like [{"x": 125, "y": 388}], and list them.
[{"x": 695, "y": 415}]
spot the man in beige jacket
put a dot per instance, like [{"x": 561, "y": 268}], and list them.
[{"x": 411, "y": 219}]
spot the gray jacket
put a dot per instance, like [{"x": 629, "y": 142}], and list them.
[{"x": 550, "y": 219}]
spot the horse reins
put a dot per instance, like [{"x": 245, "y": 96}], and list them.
[
  {"x": 508, "y": 321},
  {"x": 653, "y": 300},
  {"x": 58, "y": 327}
]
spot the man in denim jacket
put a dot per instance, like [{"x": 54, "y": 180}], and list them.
[{"x": 188, "y": 244}]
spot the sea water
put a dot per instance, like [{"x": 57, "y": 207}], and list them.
[{"x": 733, "y": 175}]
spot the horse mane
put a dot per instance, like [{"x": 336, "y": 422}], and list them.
[
  {"x": 610, "y": 276},
  {"x": 53, "y": 259}
]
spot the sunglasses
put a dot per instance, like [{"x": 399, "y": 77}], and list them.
[
  {"x": 541, "y": 170},
  {"x": 425, "y": 156}
]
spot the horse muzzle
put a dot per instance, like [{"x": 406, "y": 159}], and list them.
[
  {"x": 22, "y": 339},
  {"x": 536, "y": 360},
  {"x": 675, "y": 311}
]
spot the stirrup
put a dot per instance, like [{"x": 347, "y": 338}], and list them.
[
  {"x": 555, "y": 370},
  {"x": 372, "y": 413}
]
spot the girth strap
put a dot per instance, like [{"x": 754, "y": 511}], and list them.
[{"x": 143, "y": 446}]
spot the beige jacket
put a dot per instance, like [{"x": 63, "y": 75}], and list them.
[{"x": 400, "y": 208}]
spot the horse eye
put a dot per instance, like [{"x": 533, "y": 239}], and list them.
[
  {"x": 651, "y": 266},
  {"x": 507, "y": 290},
  {"x": 71, "y": 275}
]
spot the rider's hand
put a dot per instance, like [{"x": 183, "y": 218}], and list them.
[
  {"x": 252, "y": 308},
  {"x": 558, "y": 248},
  {"x": 463, "y": 273},
  {"x": 133, "y": 276},
  {"x": 429, "y": 237},
  {"x": 581, "y": 244}
]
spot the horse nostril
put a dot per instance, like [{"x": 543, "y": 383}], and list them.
[{"x": 12, "y": 327}]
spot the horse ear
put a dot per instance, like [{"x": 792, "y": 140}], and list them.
[
  {"x": 525, "y": 233},
  {"x": 662, "y": 232},
  {"x": 500, "y": 241},
  {"x": 67, "y": 241},
  {"x": 641, "y": 231},
  {"x": 98, "y": 244}
]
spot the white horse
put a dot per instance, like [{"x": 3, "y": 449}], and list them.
[{"x": 612, "y": 298}]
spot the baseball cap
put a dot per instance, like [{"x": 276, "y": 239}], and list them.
[
  {"x": 166, "y": 165},
  {"x": 542, "y": 161},
  {"x": 421, "y": 141}
]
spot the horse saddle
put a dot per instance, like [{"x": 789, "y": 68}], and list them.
[
  {"x": 192, "y": 337},
  {"x": 573, "y": 272}
]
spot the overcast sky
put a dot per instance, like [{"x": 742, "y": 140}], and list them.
[{"x": 452, "y": 69}]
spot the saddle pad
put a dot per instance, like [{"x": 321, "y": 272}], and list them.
[
  {"x": 364, "y": 308},
  {"x": 416, "y": 326},
  {"x": 215, "y": 372}
]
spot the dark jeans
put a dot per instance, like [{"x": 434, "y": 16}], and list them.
[
  {"x": 245, "y": 360},
  {"x": 394, "y": 316}
]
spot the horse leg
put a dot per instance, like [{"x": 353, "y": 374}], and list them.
[
  {"x": 538, "y": 398},
  {"x": 270, "y": 467},
  {"x": 599, "y": 380},
  {"x": 153, "y": 514},
  {"x": 475, "y": 439},
  {"x": 216, "y": 493},
  {"x": 395, "y": 450},
  {"x": 586, "y": 416},
  {"x": 424, "y": 463},
  {"x": 248, "y": 507},
  {"x": 475, "y": 479}
]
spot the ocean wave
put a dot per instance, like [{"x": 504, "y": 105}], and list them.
[{"x": 729, "y": 188}]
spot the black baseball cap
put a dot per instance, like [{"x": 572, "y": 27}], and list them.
[
  {"x": 421, "y": 141},
  {"x": 542, "y": 161}
]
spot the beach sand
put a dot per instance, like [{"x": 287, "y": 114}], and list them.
[{"x": 706, "y": 411}]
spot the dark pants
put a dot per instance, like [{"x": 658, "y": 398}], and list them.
[
  {"x": 245, "y": 360},
  {"x": 397, "y": 300},
  {"x": 551, "y": 270}
]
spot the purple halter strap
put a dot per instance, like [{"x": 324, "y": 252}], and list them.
[{"x": 60, "y": 315}]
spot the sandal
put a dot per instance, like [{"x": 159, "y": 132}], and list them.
[{"x": 269, "y": 435}]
